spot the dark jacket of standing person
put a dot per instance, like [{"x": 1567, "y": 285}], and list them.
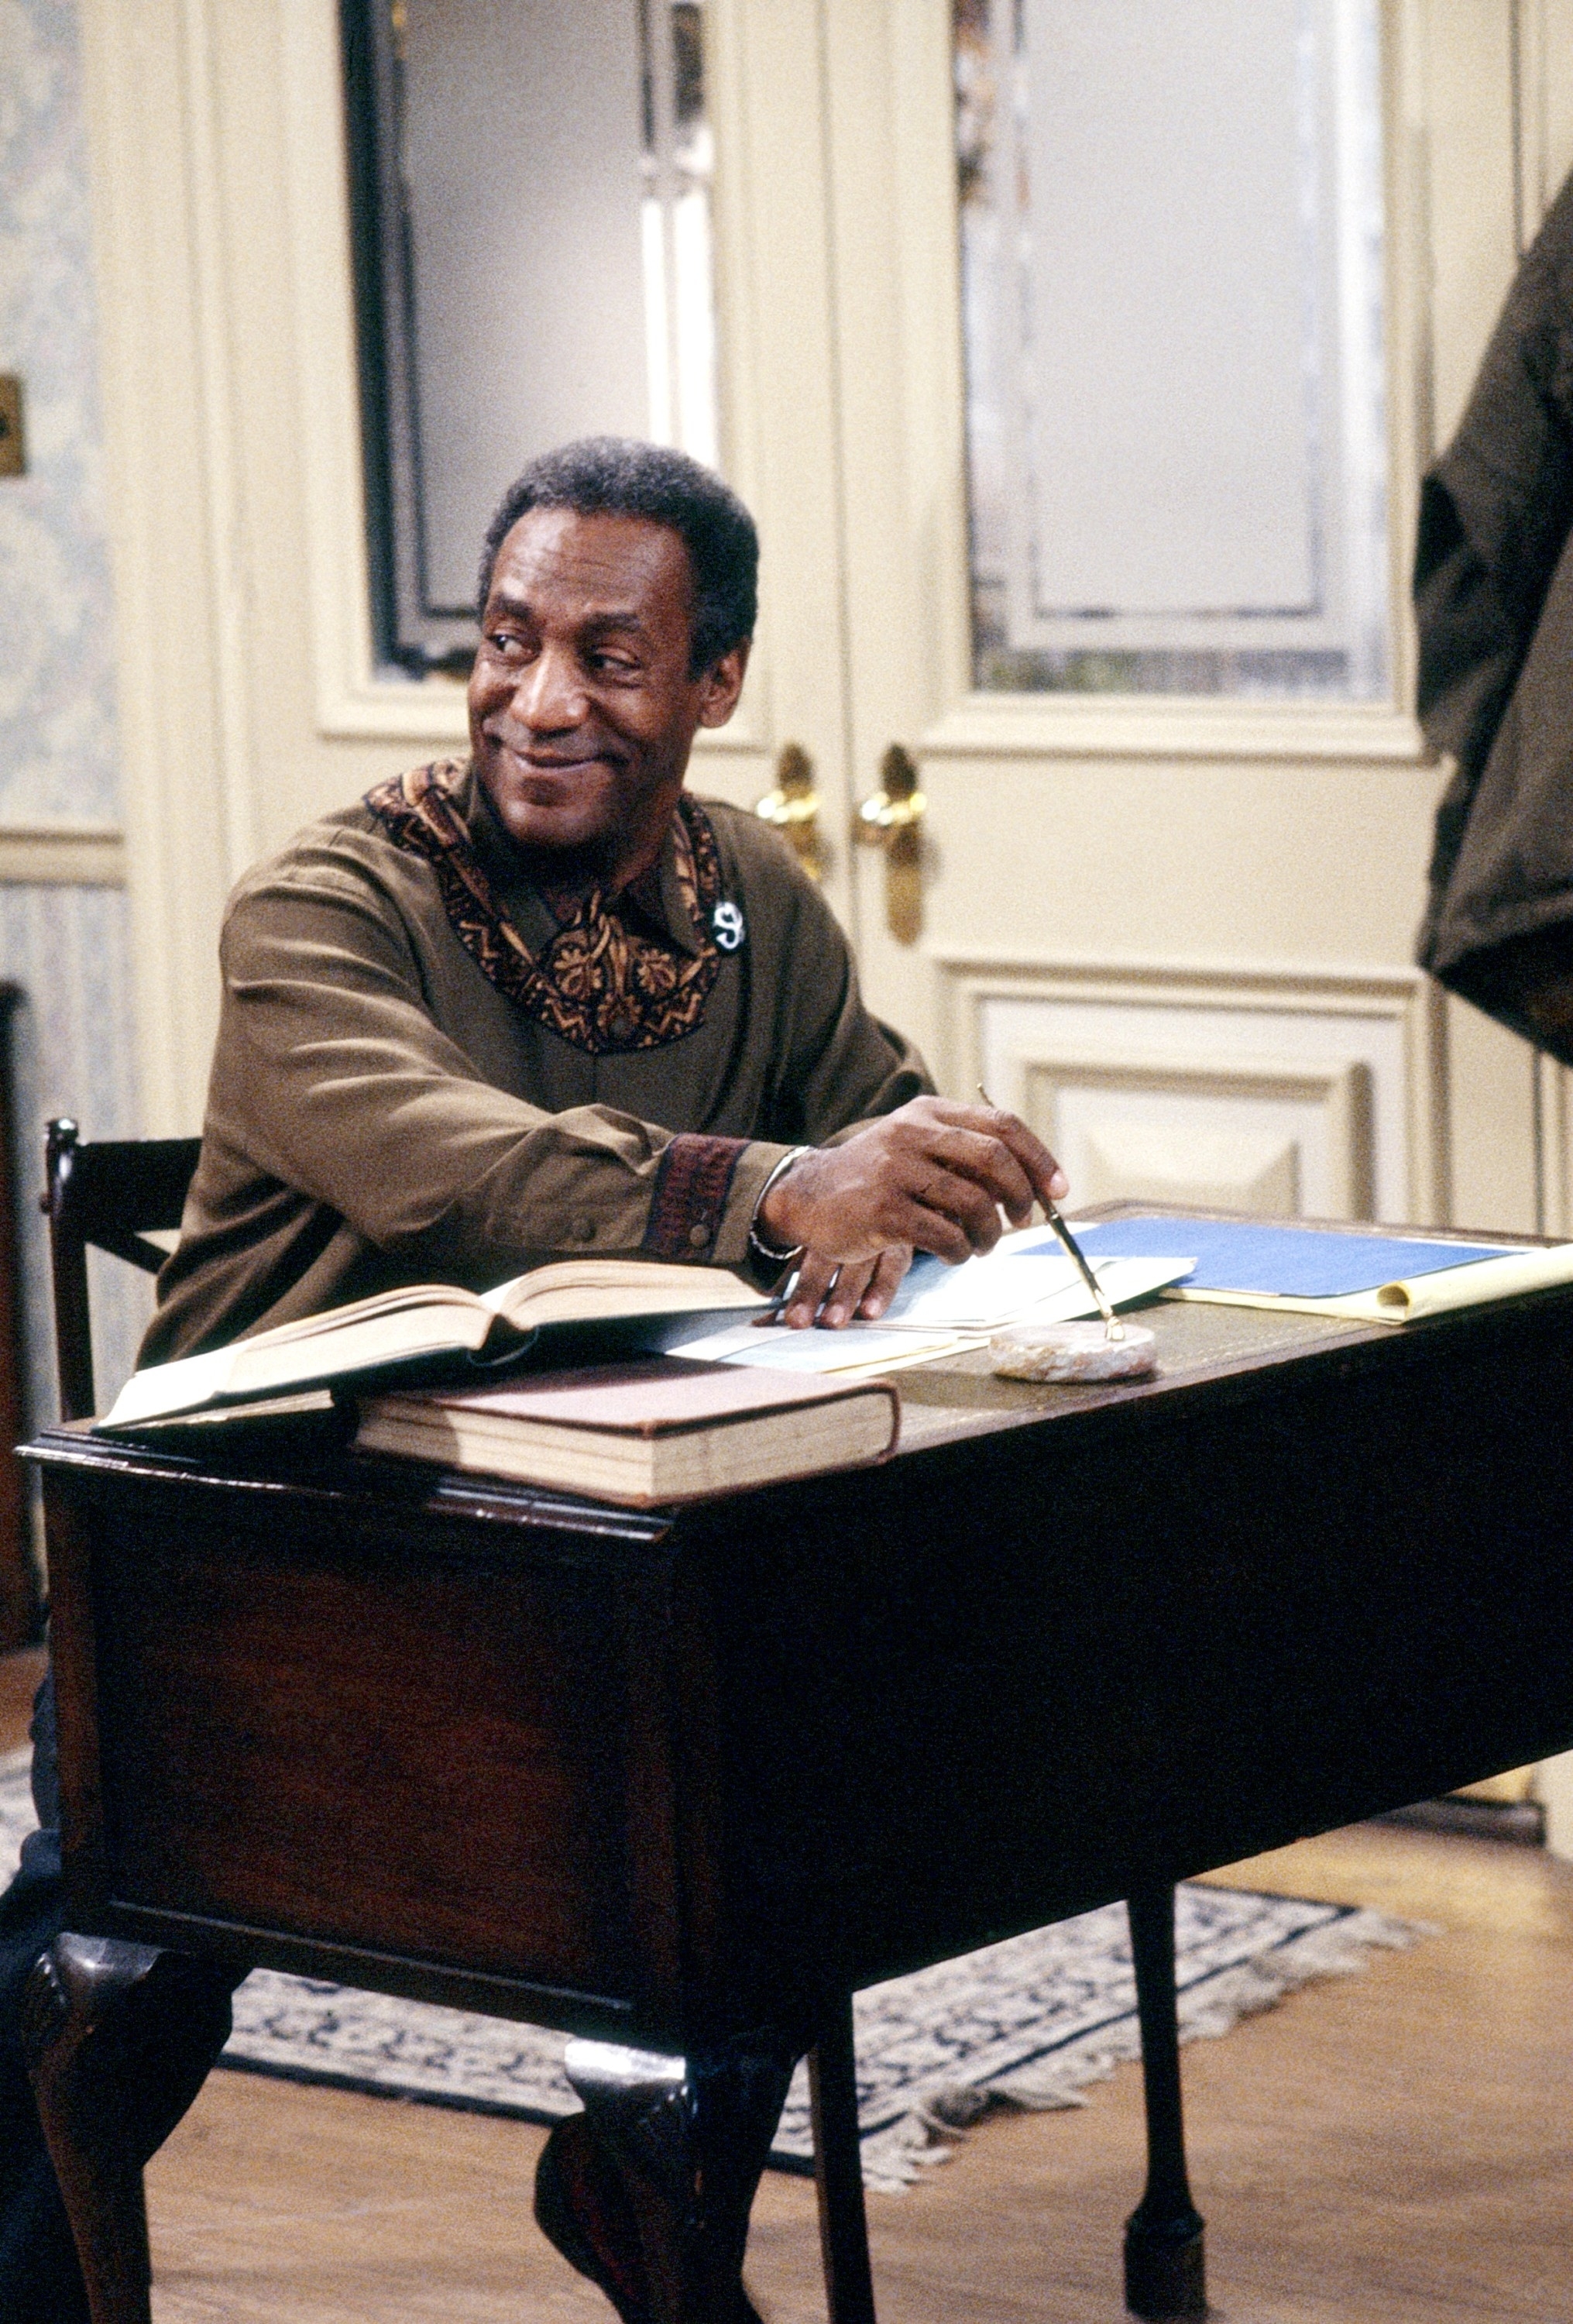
[{"x": 1493, "y": 600}]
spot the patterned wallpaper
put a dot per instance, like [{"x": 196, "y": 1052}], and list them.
[
  {"x": 66, "y": 947},
  {"x": 56, "y": 664}
]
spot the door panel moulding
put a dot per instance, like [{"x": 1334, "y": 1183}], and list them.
[
  {"x": 1554, "y": 1105},
  {"x": 1328, "y": 1082},
  {"x": 1272, "y": 1135},
  {"x": 1128, "y": 726},
  {"x": 147, "y": 181},
  {"x": 229, "y": 561},
  {"x": 1542, "y": 44}
]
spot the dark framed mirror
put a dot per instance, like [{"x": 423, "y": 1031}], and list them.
[{"x": 531, "y": 198}]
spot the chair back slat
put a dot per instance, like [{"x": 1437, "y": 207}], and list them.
[{"x": 109, "y": 1195}]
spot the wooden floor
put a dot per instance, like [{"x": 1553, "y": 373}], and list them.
[
  {"x": 18, "y": 1677},
  {"x": 1391, "y": 2148}
]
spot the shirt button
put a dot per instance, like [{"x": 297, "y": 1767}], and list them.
[
  {"x": 584, "y": 1229},
  {"x": 621, "y": 1028},
  {"x": 699, "y": 1235}
]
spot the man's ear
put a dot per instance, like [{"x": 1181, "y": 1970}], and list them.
[{"x": 722, "y": 684}]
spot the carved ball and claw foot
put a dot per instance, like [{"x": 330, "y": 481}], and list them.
[
  {"x": 119, "y": 2039},
  {"x": 647, "y": 2192}
]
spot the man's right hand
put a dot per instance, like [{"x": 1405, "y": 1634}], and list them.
[{"x": 933, "y": 1175}]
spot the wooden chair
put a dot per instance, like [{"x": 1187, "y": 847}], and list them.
[
  {"x": 104, "y": 2113},
  {"x": 111, "y": 1195}
]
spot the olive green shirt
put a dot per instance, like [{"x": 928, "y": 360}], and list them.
[{"x": 379, "y": 1112}]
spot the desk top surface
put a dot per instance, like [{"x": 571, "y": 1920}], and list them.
[
  {"x": 1205, "y": 1353},
  {"x": 959, "y": 1395}
]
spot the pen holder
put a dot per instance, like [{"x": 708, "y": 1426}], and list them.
[{"x": 1072, "y": 1352}]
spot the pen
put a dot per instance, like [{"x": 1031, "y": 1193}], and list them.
[
  {"x": 781, "y": 1300},
  {"x": 1113, "y": 1329}
]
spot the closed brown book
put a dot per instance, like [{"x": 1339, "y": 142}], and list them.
[{"x": 643, "y": 1433}]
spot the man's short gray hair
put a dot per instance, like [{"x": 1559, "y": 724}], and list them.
[{"x": 615, "y": 475}]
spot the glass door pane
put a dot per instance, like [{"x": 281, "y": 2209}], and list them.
[{"x": 1172, "y": 235}]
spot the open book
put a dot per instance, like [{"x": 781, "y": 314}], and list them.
[{"x": 622, "y": 1302}]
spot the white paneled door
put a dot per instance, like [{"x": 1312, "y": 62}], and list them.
[{"x": 1085, "y": 444}]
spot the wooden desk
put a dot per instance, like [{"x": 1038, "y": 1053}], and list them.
[{"x": 668, "y": 1779}]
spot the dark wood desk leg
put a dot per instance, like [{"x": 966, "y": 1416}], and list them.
[
  {"x": 1164, "y": 2268},
  {"x": 119, "y": 2039},
  {"x": 688, "y": 2153},
  {"x": 838, "y": 2171}
]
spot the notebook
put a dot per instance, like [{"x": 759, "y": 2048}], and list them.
[{"x": 1384, "y": 1279}]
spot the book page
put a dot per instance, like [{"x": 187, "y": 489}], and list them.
[
  {"x": 589, "y": 1290},
  {"x": 381, "y": 1306},
  {"x": 386, "y": 1329},
  {"x": 178, "y": 1387},
  {"x": 260, "y": 1364}
]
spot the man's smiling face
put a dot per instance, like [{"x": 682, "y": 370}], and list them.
[{"x": 583, "y": 707}]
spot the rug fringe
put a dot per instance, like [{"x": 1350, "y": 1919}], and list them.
[{"x": 941, "y": 2117}]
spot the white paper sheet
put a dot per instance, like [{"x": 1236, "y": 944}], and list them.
[
  {"x": 859, "y": 1347},
  {"x": 1022, "y": 1281}
]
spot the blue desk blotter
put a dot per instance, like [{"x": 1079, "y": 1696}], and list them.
[{"x": 1283, "y": 1262}]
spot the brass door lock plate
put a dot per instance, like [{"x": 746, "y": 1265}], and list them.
[{"x": 11, "y": 462}]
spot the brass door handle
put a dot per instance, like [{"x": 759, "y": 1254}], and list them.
[
  {"x": 897, "y": 806},
  {"x": 792, "y": 806},
  {"x": 892, "y": 818}
]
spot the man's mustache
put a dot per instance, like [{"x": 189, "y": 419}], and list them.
[{"x": 523, "y": 747}]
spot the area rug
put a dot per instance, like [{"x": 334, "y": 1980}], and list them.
[{"x": 1029, "y": 2023}]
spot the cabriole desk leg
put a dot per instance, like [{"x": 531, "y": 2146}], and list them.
[
  {"x": 1164, "y": 2268},
  {"x": 119, "y": 2039},
  {"x": 685, "y": 2143}
]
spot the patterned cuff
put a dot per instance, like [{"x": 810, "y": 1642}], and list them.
[{"x": 692, "y": 1184}]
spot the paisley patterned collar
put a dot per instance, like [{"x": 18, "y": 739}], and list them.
[{"x": 604, "y": 983}]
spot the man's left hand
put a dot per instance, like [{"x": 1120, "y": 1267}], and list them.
[{"x": 831, "y": 1294}]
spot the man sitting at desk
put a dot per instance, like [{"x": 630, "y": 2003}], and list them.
[{"x": 536, "y": 1003}]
